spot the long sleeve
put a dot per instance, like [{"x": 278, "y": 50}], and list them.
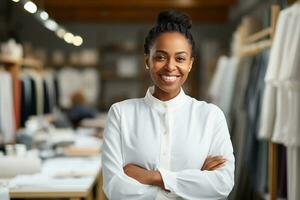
[
  {"x": 196, "y": 184},
  {"x": 117, "y": 185}
]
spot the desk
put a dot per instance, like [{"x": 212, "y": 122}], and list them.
[{"x": 70, "y": 178}]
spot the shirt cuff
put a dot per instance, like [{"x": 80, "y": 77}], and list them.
[{"x": 169, "y": 179}]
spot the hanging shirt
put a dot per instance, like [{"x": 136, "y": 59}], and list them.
[
  {"x": 280, "y": 111},
  {"x": 174, "y": 137},
  {"x": 7, "y": 114},
  {"x": 223, "y": 82}
]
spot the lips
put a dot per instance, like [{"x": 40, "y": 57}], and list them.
[{"x": 169, "y": 78}]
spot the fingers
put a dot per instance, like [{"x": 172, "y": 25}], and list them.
[
  {"x": 210, "y": 159},
  {"x": 212, "y": 163}
]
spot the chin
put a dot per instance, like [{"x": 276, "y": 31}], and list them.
[{"x": 169, "y": 88}]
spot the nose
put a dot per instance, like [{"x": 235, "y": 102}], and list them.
[{"x": 170, "y": 65}]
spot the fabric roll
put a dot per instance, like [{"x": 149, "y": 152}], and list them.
[{"x": 11, "y": 166}]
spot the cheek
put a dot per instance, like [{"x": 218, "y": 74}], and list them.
[{"x": 156, "y": 66}]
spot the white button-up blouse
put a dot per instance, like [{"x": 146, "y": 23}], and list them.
[{"x": 174, "y": 137}]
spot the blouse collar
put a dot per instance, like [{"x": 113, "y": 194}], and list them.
[{"x": 165, "y": 105}]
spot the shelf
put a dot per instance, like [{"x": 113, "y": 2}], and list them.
[
  {"x": 7, "y": 60},
  {"x": 30, "y": 62}
]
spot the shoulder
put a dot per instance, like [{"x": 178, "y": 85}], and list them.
[
  {"x": 127, "y": 105},
  {"x": 203, "y": 106}
]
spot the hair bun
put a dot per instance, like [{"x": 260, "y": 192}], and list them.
[{"x": 172, "y": 16}]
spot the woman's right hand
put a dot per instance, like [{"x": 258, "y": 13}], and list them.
[{"x": 213, "y": 162}]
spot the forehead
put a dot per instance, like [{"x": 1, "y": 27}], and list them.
[{"x": 171, "y": 42}]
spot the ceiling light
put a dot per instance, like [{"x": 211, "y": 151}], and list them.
[
  {"x": 51, "y": 25},
  {"x": 77, "y": 40},
  {"x": 44, "y": 15},
  {"x": 68, "y": 37},
  {"x": 16, "y": 1},
  {"x": 30, "y": 7},
  {"x": 60, "y": 32}
]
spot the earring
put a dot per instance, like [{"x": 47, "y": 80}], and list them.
[{"x": 147, "y": 67}]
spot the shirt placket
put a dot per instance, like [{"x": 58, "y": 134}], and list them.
[{"x": 165, "y": 140}]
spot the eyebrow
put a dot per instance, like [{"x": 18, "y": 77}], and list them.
[{"x": 162, "y": 51}]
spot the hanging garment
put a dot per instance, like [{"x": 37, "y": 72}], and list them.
[
  {"x": 252, "y": 146},
  {"x": 7, "y": 114},
  {"x": 69, "y": 82},
  {"x": 26, "y": 91},
  {"x": 222, "y": 86},
  {"x": 238, "y": 120},
  {"x": 17, "y": 102},
  {"x": 50, "y": 85},
  {"x": 174, "y": 137},
  {"x": 216, "y": 83},
  {"x": 269, "y": 99},
  {"x": 46, "y": 104},
  {"x": 293, "y": 163},
  {"x": 91, "y": 85},
  {"x": 287, "y": 126},
  {"x": 280, "y": 114}
]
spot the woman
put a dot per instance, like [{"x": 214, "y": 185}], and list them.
[{"x": 167, "y": 145}]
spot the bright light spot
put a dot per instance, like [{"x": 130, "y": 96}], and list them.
[
  {"x": 60, "y": 32},
  {"x": 16, "y": 1},
  {"x": 44, "y": 15},
  {"x": 68, "y": 37},
  {"x": 51, "y": 25},
  {"x": 30, "y": 7},
  {"x": 77, "y": 40}
]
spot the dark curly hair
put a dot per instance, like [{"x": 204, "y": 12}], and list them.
[{"x": 170, "y": 21}]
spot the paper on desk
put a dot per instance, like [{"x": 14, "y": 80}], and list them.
[
  {"x": 42, "y": 181},
  {"x": 73, "y": 166},
  {"x": 4, "y": 193},
  {"x": 88, "y": 141}
]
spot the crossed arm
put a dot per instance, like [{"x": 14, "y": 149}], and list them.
[{"x": 150, "y": 177}]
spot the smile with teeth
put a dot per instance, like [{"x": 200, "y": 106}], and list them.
[{"x": 169, "y": 79}]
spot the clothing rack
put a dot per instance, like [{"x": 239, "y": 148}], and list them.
[
  {"x": 13, "y": 66},
  {"x": 254, "y": 44}
]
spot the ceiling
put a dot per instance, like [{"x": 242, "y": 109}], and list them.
[{"x": 202, "y": 11}]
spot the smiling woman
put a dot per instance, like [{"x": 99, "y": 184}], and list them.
[
  {"x": 167, "y": 145},
  {"x": 170, "y": 61}
]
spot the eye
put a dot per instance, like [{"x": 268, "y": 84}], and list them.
[
  {"x": 159, "y": 57},
  {"x": 180, "y": 59}
]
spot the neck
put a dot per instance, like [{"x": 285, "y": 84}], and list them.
[{"x": 164, "y": 96}]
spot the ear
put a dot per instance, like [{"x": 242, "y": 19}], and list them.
[
  {"x": 146, "y": 60},
  {"x": 191, "y": 64}
]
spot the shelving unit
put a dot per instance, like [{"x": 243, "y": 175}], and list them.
[{"x": 130, "y": 85}]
